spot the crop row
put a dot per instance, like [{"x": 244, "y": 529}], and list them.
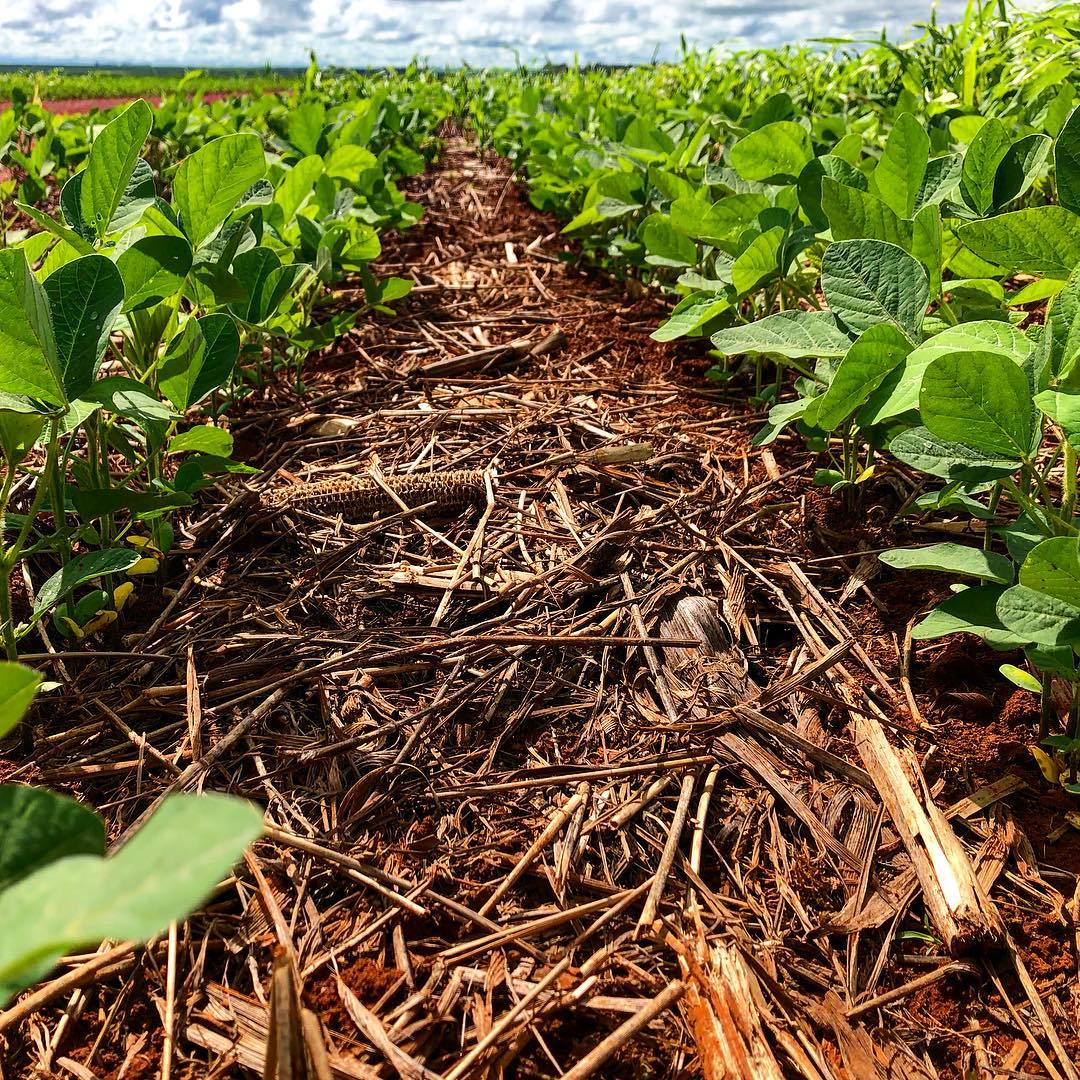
[
  {"x": 158, "y": 266},
  {"x": 897, "y": 230}
]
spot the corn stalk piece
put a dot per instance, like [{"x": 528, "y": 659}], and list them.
[
  {"x": 963, "y": 916},
  {"x": 724, "y": 1007},
  {"x": 360, "y": 497}
]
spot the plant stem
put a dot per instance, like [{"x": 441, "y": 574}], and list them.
[
  {"x": 1068, "y": 503},
  {"x": 991, "y": 503},
  {"x": 54, "y": 477},
  {"x": 7, "y": 623},
  {"x": 1047, "y": 704},
  {"x": 11, "y": 554}
]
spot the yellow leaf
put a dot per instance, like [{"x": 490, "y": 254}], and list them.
[
  {"x": 122, "y": 593},
  {"x": 866, "y": 474},
  {"x": 144, "y": 566},
  {"x": 1048, "y": 766},
  {"x": 100, "y": 621},
  {"x": 71, "y": 628},
  {"x": 143, "y": 543}
]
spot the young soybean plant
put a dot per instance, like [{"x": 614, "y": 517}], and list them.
[
  {"x": 933, "y": 368},
  {"x": 59, "y": 892},
  {"x": 1000, "y": 413},
  {"x": 119, "y": 261}
]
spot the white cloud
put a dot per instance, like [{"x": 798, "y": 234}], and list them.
[{"x": 364, "y": 33}]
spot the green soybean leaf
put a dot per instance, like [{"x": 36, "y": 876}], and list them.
[
  {"x": 72, "y": 212},
  {"x": 779, "y": 417},
  {"x": 37, "y": 827},
  {"x": 1063, "y": 320},
  {"x": 1067, "y": 163},
  {"x": 19, "y": 432},
  {"x": 926, "y": 244},
  {"x": 93, "y": 503},
  {"x": 759, "y": 261},
  {"x": 940, "y": 180},
  {"x": 855, "y": 214},
  {"x": 952, "y": 559},
  {"x": 1020, "y": 167},
  {"x": 898, "y": 176},
  {"x": 868, "y": 281},
  {"x": 138, "y": 197},
  {"x": 76, "y": 241},
  {"x": 953, "y": 461},
  {"x": 979, "y": 398},
  {"x": 222, "y": 347},
  {"x": 153, "y": 268},
  {"x": 690, "y": 314},
  {"x": 776, "y": 107},
  {"x": 167, "y": 869},
  {"x": 970, "y": 611},
  {"x": 181, "y": 364},
  {"x": 1035, "y": 291},
  {"x": 981, "y": 162},
  {"x": 1036, "y": 240},
  {"x": 130, "y": 398},
  {"x": 1037, "y": 617},
  {"x": 666, "y": 246},
  {"x": 27, "y": 349},
  {"x": 298, "y": 185},
  {"x": 1063, "y": 407},
  {"x": 777, "y": 150},
  {"x": 876, "y": 352},
  {"x": 794, "y": 334},
  {"x": 1020, "y": 537},
  {"x": 111, "y": 163},
  {"x": 210, "y": 181},
  {"x": 349, "y": 162},
  {"x": 305, "y": 126},
  {"x": 720, "y": 222},
  {"x": 85, "y": 298},
  {"x": 203, "y": 440},
  {"x": 1058, "y": 659},
  {"x": 18, "y": 685},
  {"x": 1019, "y": 677},
  {"x": 78, "y": 571},
  {"x": 813, "y": 176},
  {"x": 254, "y": 269},
  {"x": 1053, "y": 567},
  {"x": 900, "y": 391}
]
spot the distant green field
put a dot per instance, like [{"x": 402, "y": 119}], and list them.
[{"x": 64, "y": 84}]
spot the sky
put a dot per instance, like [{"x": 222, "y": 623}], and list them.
[{"x": 361, "y": 33}]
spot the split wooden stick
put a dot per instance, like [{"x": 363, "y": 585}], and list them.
[{"x": 961, "y": 912}]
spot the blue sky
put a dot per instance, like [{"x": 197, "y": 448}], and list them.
[{"x": 372, "y": 32}]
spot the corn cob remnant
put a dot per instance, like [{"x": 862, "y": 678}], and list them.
[{"x": 361, "y": 497}]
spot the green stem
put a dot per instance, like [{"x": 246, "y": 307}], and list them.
[
  {"x": 991, "y": 502},
  {"x": 11, "y": 554},
  {"x": 7, "y": 622},
  {"x": 1047, "y": 704},
  {"x": 54, "y": 477},
  {"x": 1068, "y": 504}
]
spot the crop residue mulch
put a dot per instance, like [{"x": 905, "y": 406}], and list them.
[{"x": 521, "y": 823}]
